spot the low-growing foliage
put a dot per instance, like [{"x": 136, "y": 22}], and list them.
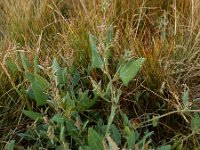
[{"x": 99, "y": 74}]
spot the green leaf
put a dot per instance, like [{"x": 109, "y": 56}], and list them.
[
  {"x": 185, "y": 97},
  {"x": 130, "y": 70},
  {"x": 33, "y": 115},
  {"x": 94, "y": 140},
  {"x": 30, "y": 94},
  {"x": 26, "y": 64},
  {"x": 11, "y": 65},
  {"x": 62, "y": 133},
  {"x": 71, "y": 129},
  {"x": 55, "y": 66},
  {"x": 10, "y": 145},
  {"x": 69, "y": 103},
  {"x": 39, "y": 86},
  {"x": 116, "y": 134},
  {"x": 59, "y": 119},
  {"x": 155, "y": 121},
  {"x": 59, "y": 74},
  {"x": 76, "y": 78},
  {"x": 124, "y": 118},
  {"x": 85, "y": 102},
  {"x": 197, "y": 99},
  {"x": 96, "y": 59},
  {"x": 164, "y": 147},
  {"x": 143, "y": 140},
  {"x": 130, "y": 137},
  {"x": 195, "y": 123}
]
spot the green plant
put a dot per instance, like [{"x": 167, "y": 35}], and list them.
[
  {"x": 62, "y": 87},
  {"x": 71, "y": 101}
]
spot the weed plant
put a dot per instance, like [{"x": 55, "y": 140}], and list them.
[{"x": 100, "y": 74}]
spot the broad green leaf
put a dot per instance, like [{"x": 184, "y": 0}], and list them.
[
  {"x": 11, "y": 65},
  {"x": 69, "y": 103},
  {"x": 60, "y": 147},
  {"x": 30, "y": 94},
  {"x": 59, "y": 119},
  {"x": 130, "y": 70},
  {"x": 130, "y": 137},
  {"x": 55, "y": 66},
  {"x": 10, "y": 145},
  {"x": 85, "y": 102},
  {"x": 94, "y": 140},
  {"x": 71, "y": 128},
  {"x": 124, "y": 118},
  {"x": 39, "y": 85},
  {"x": 59, "y": 74},
  {"x": 116, "y": 134},
  {"x": 96, "y": 59},
  {"x": 165, "y": 147},
  {"x": 33, "y": 115},
  {"x": 26, "y": 64},
  {"x": 195, "y": 123}
]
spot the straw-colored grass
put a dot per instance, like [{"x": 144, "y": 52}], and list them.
[{"x": 166, "y": 33}]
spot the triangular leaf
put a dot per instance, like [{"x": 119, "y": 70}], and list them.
[
  {"x": 116, "y": 134},
  {"x": 130, "y": 70},
  {"x": 94, "y": 140},
  {"x": 96, "y": 59},
  {"x": 59, "y": 119},
  {"x": 55, "y": 66},
  {"x": 39, "y": 85},
  {"x": 26, "y": 64},
  {"x": 33, "y": 115},
  {"x": 59, "y": 74},
  {"x": 71, "y": 128}
]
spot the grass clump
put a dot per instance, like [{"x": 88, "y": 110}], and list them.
[{"x": 103, "y": 74}]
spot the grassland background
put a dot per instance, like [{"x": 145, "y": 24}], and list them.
[{"x": 166, "y": 33}]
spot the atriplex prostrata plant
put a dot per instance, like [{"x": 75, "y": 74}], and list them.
[
  {"x": 69, "y": 100},
  {"x": 74, "y": 100},
  {"x": 166, "y": 33}
]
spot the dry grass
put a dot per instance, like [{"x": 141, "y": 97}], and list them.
[{"x": 165, "y": 32}]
